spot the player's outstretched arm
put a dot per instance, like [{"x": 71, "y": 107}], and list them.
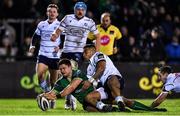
[
  {"x": 94, "y": 79},
  {"x": 162, "y": 96},
  {"x": 55, "y": 34},
  {"x": 72, "y": 86}
]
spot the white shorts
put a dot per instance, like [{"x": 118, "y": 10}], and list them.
[{"x": 103, "y": 94}]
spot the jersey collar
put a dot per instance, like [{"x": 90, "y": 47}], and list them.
[{"x": 52, "y": 22}]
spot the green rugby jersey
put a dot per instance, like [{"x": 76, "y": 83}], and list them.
[{"x": 80, "y": 95}]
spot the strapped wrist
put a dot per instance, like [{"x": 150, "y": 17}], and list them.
[
  {"x": 91, "y": 80},
  {"x": 32, "y": 47}
]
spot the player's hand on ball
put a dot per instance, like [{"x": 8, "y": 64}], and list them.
[{"x": 50, "y": 95}]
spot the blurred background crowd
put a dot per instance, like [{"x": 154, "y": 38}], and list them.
[{"x": 150, "y": 28}]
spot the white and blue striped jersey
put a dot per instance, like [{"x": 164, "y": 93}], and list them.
[
  {"x": 110, "y": 69},
  {"x": 76, "y": 32},
  {"x": 172, "y": 83},
  {"x": 45, "y": 30}
]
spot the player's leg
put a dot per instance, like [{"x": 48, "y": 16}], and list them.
[
  {"x": 54, "y": 71},
  {"x": 135, "y": 105},
  {"x": 93, "y": 99},
  {"x": 53, "y": 79},
  {"x": 41, "y": 73},
  {"x": 53, "y": 76},
  {"x": 114, "y": 83},
  {"x": 90, "y": 108}
]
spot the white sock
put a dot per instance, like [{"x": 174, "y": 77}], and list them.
[
  {"x": 118, "y": 98},
  {"x": 44, "y": 86},
  {"x": 100, "y": 105}
]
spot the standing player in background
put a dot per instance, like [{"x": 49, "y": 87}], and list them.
[
  {"x": 171, "y": 83},
  {"x": 109, "y": 35},
  {"x": 76, "y": 28},
  {"x": 49, "y": 52}
]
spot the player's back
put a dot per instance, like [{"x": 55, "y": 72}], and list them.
[
  {"x": 173, "y": 82},
  {"x": 110, "y": 69}
]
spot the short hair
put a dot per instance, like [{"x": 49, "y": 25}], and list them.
[
  {"x": 89, "y": 46},
  {"x": 106, "y": 14},
  {"x": 166, "y": 69},
  {"x": 64, "y": 61},
  {"x": 53, "y": 6}
]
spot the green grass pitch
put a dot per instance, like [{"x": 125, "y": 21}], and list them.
[{"x": 29, "y": 107}]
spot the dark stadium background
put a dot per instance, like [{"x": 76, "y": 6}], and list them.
[{"x": 136, "y": 20}]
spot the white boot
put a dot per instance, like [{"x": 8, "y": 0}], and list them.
[{"x": 70, "y": 102}]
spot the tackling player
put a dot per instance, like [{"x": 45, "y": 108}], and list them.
[
  {"x": 71, "y": 82},
  {"x": 49, "y": 52},
  {"x": 102, "y": 69},
  {"x": 171, "y": 83},
  {"x": 76, "y": 28}
]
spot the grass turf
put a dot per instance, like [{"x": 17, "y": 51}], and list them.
[{"x": 29, "y": 107}]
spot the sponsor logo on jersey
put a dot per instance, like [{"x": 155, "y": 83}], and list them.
[{"x": 105, "y": 40}]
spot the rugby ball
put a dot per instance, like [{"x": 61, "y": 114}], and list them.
[{"x": 43, "y": 103}]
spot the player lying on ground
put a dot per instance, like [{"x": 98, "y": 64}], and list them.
[
  {"x": 102, "y": 69},
  {"x": 71, "y": 82},
  {"x": 171, "y": 83}
]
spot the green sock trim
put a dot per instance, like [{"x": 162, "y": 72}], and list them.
[{"x": 139, "y": 106}]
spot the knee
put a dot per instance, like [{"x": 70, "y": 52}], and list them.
[
  {"x": 40, "y": 74},
  {"x": 88, "y": 98}
]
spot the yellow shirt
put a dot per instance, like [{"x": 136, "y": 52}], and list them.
[{"x": 107, "y": 38}]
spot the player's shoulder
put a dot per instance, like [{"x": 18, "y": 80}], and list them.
[
  {"x": 88, "y": 19},
  {"x": 114, "y": 27},
  {"x": 67, "y": 17},
  {"x": 98, "y": 26},
  {"x": 171, "y": 76},
  {"x": 57, "y": 22},
  {"x": 70, "y": 16},
  {"x": 43, "y": 22},
  {"x": 77, "y": 72},
  {"x": 98, "y": 55},
  {"x": 60, "y": 79}
]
